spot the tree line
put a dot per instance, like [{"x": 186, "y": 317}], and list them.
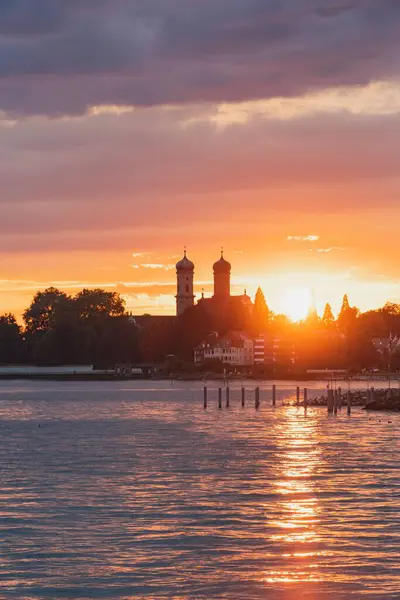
[
  {"x": 344, "y": 342},
  {"x": 92, "y": 327},
  {"x": 88, "y": 328}
]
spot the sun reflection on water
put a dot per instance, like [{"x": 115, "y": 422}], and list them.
[{"x": 297, "y": 512}]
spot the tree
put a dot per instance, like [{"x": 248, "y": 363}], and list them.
[
  {"x": 118, "y": 343},
  {"x": 261, "y": 313},
  {"x": 391, "y": 308},
  {"x": 327, "y": 318},
  {"x": 190, "y": 328},
  {"x": 39, "y": 316},
  {"x": 345, "y": 304},
  {"x": 348, "y": 316},
  {"x": 391, "y": 317},
  {"x": 281, "y": 323},
  {"x": 64, "y": 330},
  {"x": 156, "y": 340},
  {"x": 12, "y": 348},
  {"x": 98, "y": 302},
  {"x": 68, "y": 341},
  {"x": 359, "y": 351}
]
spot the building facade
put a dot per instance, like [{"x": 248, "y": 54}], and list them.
[
  {"x": 234, "y": 348},
  {"x": 274, "y": 350}
]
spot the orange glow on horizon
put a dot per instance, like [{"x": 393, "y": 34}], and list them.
[
  {"x": 297, "y": 303},
  {"x": 144, "y": 275}
]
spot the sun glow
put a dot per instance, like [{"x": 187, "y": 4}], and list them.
[{"x": 297, "y": 303}]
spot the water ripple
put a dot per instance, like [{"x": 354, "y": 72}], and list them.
[{"x": 134, "y": 491}]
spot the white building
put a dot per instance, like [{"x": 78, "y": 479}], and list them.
[{"x": 234, "y": 348}]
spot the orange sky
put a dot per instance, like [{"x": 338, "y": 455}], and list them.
[
  {"x": 282, "y": 149},
  {"x": 329, "y": 253}
]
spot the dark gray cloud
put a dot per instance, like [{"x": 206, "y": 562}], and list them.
[{"x": 59, "y": 57}]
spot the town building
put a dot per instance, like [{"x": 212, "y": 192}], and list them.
[
  {"x": 234, "y": 348},
  {"x": 274, "y": 350}
]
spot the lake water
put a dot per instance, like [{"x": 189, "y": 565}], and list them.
[{"x": 132, "y": 490}]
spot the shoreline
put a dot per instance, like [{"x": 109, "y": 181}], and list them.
[{"x": 208, "y": 377}]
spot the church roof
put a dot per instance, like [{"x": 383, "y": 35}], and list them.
[
  {"x": 185, "y": 264},
  {"x": 222, "y": 265}
]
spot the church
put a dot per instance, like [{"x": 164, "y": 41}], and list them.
[{"x": 222, "y": 287}]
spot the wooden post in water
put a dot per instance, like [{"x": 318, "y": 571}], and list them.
[
  {"x": 205, "y": 397},
  {"x": 305, "y": 398},
  {"x": 298, "y": 395},
  {"x": 243, "y": 396},
  {"x": 219, "y": 397},
  {"x": 274, "y": 395},
  {"x": 227, "y": 397},
  {"x": 372, "y": 395},
  {"x": 349, "y": 402},
  {"x": 339, "y": 398},
  {"x": 330, "y": 401},
  {"x": 257, "y": 397},
  {"x": 368, "y": 397},
  {"x": 335, "y": 402}
]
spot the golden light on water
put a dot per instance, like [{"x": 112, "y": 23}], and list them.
[{"x": 298, "y": 511}]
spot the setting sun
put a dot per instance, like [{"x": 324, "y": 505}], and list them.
[{"x": 297, "y": 303}]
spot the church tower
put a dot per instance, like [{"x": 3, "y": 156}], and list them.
[
  {"x": 222, "y": 278},
  {"x": 184, "y": 275}
]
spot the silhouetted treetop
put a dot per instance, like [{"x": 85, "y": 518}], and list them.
[
  {"x": 328, "y": 318},
  {"x": 98, "y": 302},
  {"x": 345, "y": 304},
  {"x": 11, "y": 341},
  {"x": 261, "y": 312},
  {"x": 348, "y": 315},
  {"x": 39, "y": 316},
  {"x": 391, "y": 308}
]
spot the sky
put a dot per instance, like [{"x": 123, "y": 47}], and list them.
[{"x": 132, "y": 128}]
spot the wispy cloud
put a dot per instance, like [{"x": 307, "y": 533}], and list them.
[
  {"x": 327, "y": 250},
  {"x": 302, "y": 238},
  {"x": 154, "y": 266}
]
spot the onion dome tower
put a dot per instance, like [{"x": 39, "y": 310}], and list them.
[
  {"x": 222, "y": 278},
  {"x": 184, "y": 276}
]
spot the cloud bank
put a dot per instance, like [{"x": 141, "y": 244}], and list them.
[{"x": 59, "y": 57}]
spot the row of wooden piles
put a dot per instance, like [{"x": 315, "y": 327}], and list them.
[{"x": 335, "y": 398}]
